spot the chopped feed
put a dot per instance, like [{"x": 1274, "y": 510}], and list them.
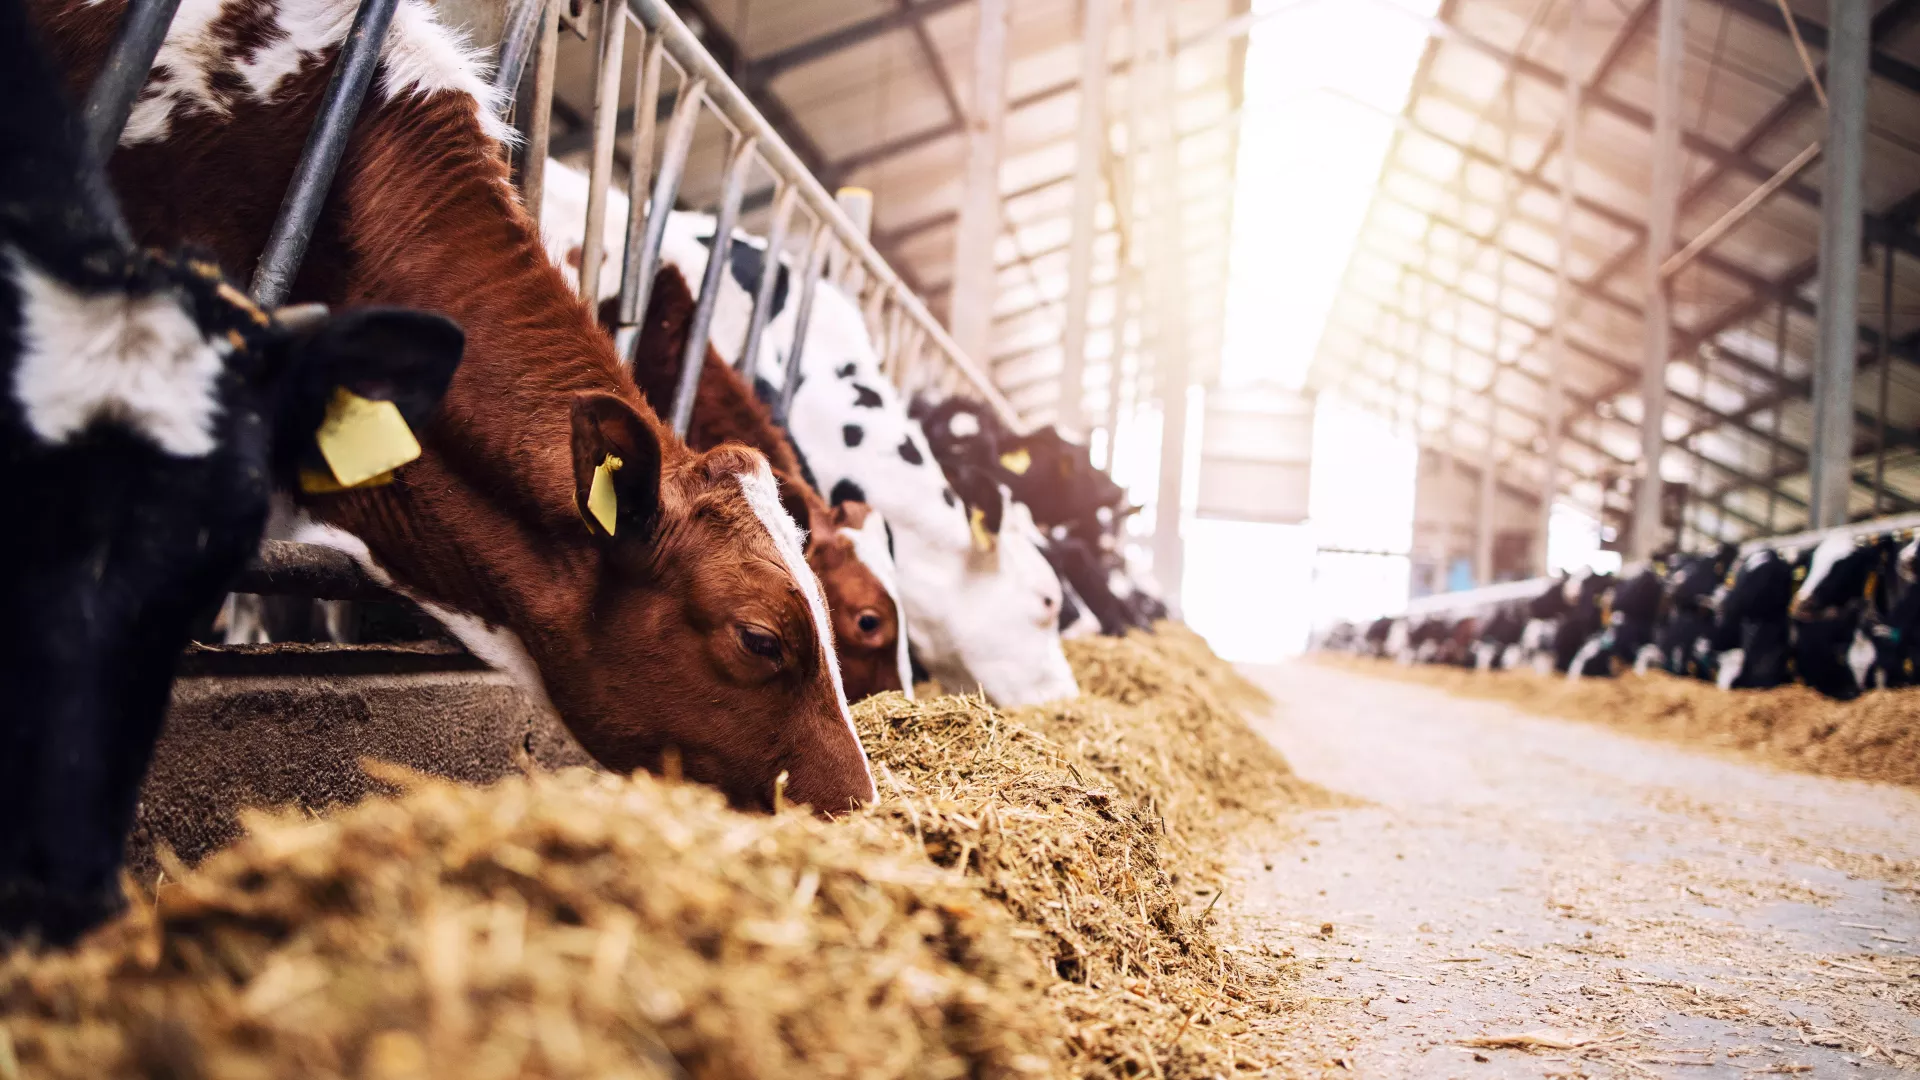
[
  {"x": 582, "y": 925},
  {"x": 1873, "y": 737}
]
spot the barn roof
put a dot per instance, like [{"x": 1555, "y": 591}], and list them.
[{"x": 1424, "y": 331}]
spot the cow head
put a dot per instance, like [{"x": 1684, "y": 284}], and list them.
[
  {"x": 703, "y": 635},
  {"x": 1842, "y": 577},
  {"x": 152, "y": 409},
  {"x": 847, "y": 548}
]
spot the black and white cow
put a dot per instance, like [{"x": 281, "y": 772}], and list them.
[
  {"x": 1844, "y": 594},
  {"x": 1752, "y": 632},
  {"x": 148, "y": 408},
  {"x": 1580, "y": 619},
  {"x": 1684, "y": 637}
]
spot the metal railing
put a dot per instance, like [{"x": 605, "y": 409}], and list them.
[{"x": 907, "y": 336}]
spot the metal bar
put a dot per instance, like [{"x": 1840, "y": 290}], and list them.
[
  {"x": 1560, "y": 360},
  {"x": 1091, "y": 140},
  {"x": 517, "y": 44},
  {"x": 1800, "y": 46},
  {"x": 802, "y": 319},
  {"x": 1886, "y": 371},
  {"x": 970, "y": 309},
  {"x": 534, "y": 115},
  {"x": 733, "y": 104},
  {"x": 606, "y": 107},
  {"x": 693, "y": 359},
  {"x": 1170, "y": 294},
  {"x": 1657, "y": 333},
  {"x": 143, "y": 29},
  {"x": 1840, "y": 235},
  {"x": 326, "y": 143},
  {"x": 1739, "y": 212},
  {"x": 748, "y": 361},
  {"x": 673, "y": 163},
  {"x": 633, "y": 302}
]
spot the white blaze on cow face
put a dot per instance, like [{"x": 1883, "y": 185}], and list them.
[
  {"x": 420, "y": 56},
  {"x": 136, "y": 360},
  {"x": 1825, "y": 557},
  {"x": 763, "y": 496},
  {"x": 871, "y": 548}
]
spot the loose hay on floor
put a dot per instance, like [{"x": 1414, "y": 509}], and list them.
[
  {"x": 1874, "y": 737},
  {"x": 582, "y": 925}
]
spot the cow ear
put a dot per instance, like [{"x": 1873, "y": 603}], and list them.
[
  {"x": 798, "y": 506},
  {"x": 367, "y": 357},
  {"x": 616, "y": 470}
]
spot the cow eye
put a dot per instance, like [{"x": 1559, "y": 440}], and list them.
[
  {"x": 760, "y": 643},
  {"x": 869, "y": 622}
]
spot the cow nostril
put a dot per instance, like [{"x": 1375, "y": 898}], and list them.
[{"x": 869, "y": 623}]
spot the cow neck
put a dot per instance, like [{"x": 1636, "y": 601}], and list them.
[{"x": 430, "y": 218}]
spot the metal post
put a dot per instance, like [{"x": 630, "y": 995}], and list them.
[
  {"x": 326, "y": 143},
  {"x": 1170, "y": 294},
  {"x": 673, "y": 162},
  {"x": 517, "y": 44},
  {"x": 1773, "y": 446},
  {"x": 802, "y": 318},
  {"x": 971, "y": 312},
  {"x": 606, "y": 115},
  {"x": 1886, "y": 372},
  {"x": 533, "y": 114},
  {"x": 1124, "y": 289},
  {"x": 1086, "y": 201},
  {"x": 1484, "y": 524},
  {"x": 639, "y": 176},
  {"x": 143, "y": 29},
  {"x": 747, "y": 362},
  {"x": 1559, "y": 360},
  {"x": 1662, "y": 206},
  {"x": 694, "y": 359},
  {"x": 1831, "y": 460}
]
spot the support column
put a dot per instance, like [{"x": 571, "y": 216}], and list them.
[
  {"x": 971, "y": 315},
  {"x": 1169, "y": 295},
  {"x": 1086, "y": 202},
  {"x": 1558, "y": 360},
  {"x": 1831, "y": 460},
  {"x": 1484, "y": 521},
  {"x": 1657, "y": 334}
]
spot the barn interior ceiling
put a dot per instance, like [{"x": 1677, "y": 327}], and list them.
[
  {"x": 1445, "y": 319},
  {"x": 875, "y": 93}
]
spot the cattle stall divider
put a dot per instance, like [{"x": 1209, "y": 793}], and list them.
[{"x": 1476, "y": 601}]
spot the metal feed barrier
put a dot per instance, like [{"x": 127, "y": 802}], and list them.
[
  {"x": 916, "y": 351},
  {"x": 1475, "y": 601}
]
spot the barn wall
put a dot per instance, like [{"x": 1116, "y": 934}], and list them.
[{"x": 1446, "y": 507}]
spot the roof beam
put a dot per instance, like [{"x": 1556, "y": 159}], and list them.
[{"x": 906, "y": 17}]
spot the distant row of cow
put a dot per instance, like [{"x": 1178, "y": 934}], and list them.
[
  {"x": 1842, "y": 616},
  {"x": 477, "y": 445}
]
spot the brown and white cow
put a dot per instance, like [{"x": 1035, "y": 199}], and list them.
[
  {"x": 847, "y": 545},
  {"x": 684, "y": 619}
]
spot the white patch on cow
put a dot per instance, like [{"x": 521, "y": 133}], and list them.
[
  {"x": 1484, "y": 653},
  {"x": 870, "y": 547},
  {"x": 245, "y": 616},
  {"x": 1905, "y": 562},
  {"x": 1757, "y": 559},
  {"x": 963, "y": 426},
  {"x": 139, "y": 361},
  {"x": 1648, "y": 658},
  {"x": 1861, "y": 657},
  {"x": 420, "y": 57},
  {"x": 1825, "y": 558},
  {"x": 1582, "y": 658},
  {"x": 499, "y": 647},
  {"x": 1731, "y": 661},
  {"x": 763, "y": 496}
]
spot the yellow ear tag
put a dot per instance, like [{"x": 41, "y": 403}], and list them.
[
  {"x": 602, "y": 503},
  {"x": 1017, "y": 462},
  {"x": 362, "y": 438},
  {"x": 316, "y": 482},
  {"x": 982, "y": 539}
]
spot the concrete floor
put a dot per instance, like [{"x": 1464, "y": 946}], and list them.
[{"x": 1645, "y": 909}]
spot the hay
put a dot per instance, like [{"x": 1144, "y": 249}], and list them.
[
  {"x": 1061, "y": 922},
  {"x": 1873, "y": 737}
]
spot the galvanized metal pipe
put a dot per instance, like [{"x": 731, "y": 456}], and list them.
[
  {"x": 785, "y": 196},
  {"x": 1090, "y": 142},
  {"x": 1839, "y": 264},
  {"x": 1886, "y": 371},
  {"x": 1560, "y": 358},
  {"x": 694, "y": 358},
  {"x": 673, "y": 163},
  {"x": 732, "y": 104},
  {"x": 970, "y": 303},
  {"x": 320, "y": 159},
  {"x": 534, "y": 116},
  {"x": 1773, "y": 447},
  {"x": 633, "y": 302},
  {"x": 802, "y": 319},
  {"x": 605, "y": 120},
  {"x": 517, "y": 45},
  {"x": 143, "y": 29}
]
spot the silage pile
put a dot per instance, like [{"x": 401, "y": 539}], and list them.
[
  {"x": 1874, "y": 737},
  {"x": 1058, "y": 924}
]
